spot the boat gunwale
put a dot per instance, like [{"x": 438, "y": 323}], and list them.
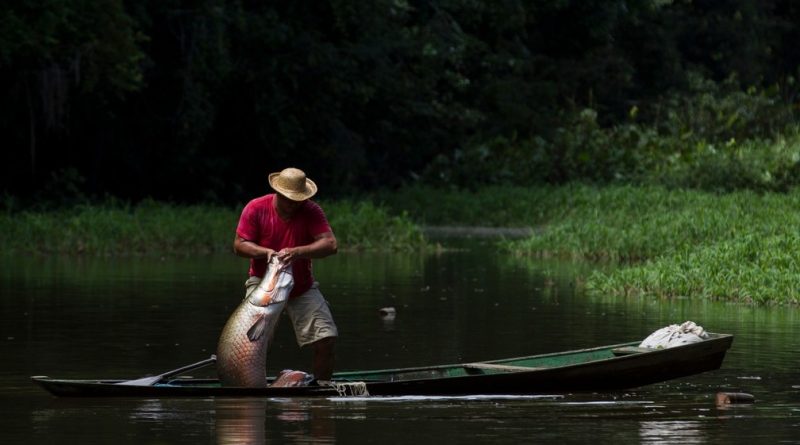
[
  {"x": 211, "y": 385},
  {"x": 713, "y": 337}
]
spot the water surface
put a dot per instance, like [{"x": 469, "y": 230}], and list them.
[{"x": 125, "y": 318}]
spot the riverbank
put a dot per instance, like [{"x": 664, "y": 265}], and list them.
[
  {"x": 668, "y": 243},
  {"x": 740, "y": 246},
  {"x": 153, "y": 228}
]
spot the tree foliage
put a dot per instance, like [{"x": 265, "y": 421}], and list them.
[{"x": 198, "y": 100}]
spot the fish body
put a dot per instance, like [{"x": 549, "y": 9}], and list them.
[{"x": 243, "y": 344}]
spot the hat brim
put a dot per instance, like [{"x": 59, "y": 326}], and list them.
[{"x": 294, "y": 195}]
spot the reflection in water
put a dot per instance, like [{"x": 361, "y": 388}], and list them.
[
  {"x": 241, "y": 422},
  {"x": 155, "y": 410},
  {"x": 671, "y": 431},
  {"x": 252, "y": 421}
]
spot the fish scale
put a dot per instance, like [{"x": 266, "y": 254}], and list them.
[{"x": 245, "y": 339}]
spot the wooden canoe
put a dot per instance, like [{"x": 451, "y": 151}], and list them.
[{"x": 606, "y": 368}]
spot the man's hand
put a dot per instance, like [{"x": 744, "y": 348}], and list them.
[
  {"x": 288, "y": 254},
  {"x": 324, "y": 245}
]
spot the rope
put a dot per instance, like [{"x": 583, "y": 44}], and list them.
[{"x": 352, "y": 389}]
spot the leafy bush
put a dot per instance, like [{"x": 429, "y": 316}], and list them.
[
  {"x": 716, "y": 137},
  {"x": 719, "y": 112},
  {"x": 760, "y": 165}
]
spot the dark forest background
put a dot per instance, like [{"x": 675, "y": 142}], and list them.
[{"x": 196, "y": 101}]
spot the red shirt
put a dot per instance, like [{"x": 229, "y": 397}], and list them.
[{"x": 261, "y": 224}]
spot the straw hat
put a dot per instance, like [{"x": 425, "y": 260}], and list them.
[{"x": 293, "y": 184}]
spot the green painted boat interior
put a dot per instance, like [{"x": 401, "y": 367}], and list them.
[{"x": 555, "y": 360}]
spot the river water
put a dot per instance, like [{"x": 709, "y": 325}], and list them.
[{"x": 126, "y": 318}]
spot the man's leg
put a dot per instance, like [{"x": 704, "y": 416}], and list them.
[
  {"x": 323, "y": 358},
  {"x": 314, "y": 327}
]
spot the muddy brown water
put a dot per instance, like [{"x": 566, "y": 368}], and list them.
[{"x": 125, "y": 318}]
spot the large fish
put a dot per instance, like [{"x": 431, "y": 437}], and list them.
[{"x": 243, "y": 344}]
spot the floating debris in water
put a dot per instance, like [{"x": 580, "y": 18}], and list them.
[
  {"x": 729, "y": 398},
  {"x": 752, "y": 377},
  {"x": 387, "y": 313}
]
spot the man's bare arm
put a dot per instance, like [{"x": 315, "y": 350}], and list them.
[
  {"x": 323, "y": 245},
  {"x": 249, "y": 249}
]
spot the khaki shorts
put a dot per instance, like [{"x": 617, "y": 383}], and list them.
[{"x": 310, "y": 314}]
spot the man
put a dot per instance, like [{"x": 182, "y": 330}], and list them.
[{"x": 288, "y": 224}]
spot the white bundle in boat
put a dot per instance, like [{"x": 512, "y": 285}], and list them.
[{"x": 675, "y": 335}]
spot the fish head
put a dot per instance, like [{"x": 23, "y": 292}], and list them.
[{"x": 276, "y": 284}]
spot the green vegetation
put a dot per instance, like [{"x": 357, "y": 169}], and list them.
[
  {"x": 153, "y": 228},
  {"x": 365, "y": 226},
  {"x": 713, "y": 137},
  {"x": 447, "y": 111},
  {"x": 492, "y": 206},
  {"x": 740, "y": 246},
  {"x": 195, "y": 102}
]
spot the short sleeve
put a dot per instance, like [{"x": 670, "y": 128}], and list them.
[
  {"x": 248, "y": 222},
  {"x": 317, "y": 221}
]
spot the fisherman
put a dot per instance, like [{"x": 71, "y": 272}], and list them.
[{"x": 288, "y": 224}]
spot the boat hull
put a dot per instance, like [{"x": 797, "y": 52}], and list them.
[{"x": 607, "y": 368}]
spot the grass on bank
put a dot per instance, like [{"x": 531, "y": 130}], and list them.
[
  {"x": 739, "y": 246},
  {"x": 157, "y": 228}
]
